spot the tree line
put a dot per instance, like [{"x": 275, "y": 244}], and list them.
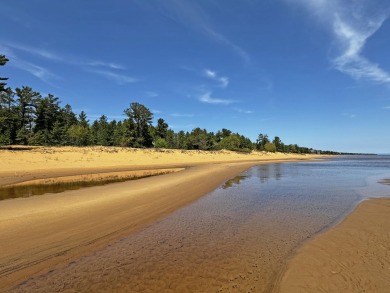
[{"x": 28, "y": 118}]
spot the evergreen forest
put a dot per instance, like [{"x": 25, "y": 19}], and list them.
[{"x": 28, "y": 118}]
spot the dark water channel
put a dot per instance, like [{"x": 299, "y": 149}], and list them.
[
  {"x": 16, "y": 191},
  {"x": 235, "y": 239}
]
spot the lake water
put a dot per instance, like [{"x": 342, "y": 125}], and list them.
[{"x": 235, "y": 239}]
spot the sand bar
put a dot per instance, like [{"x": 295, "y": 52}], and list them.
[
  {"x": 42, "y": 232},
  {"x": 354, "y": 256},
  {"x": 31, "y": 163}
]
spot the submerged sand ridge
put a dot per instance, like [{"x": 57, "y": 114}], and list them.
[{"x": 40, "y": 233}]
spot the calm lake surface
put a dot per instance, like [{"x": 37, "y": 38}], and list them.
[{"x": 235, "y": 239}]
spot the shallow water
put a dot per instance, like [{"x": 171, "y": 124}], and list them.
[
  {"x": 235, "y": 239},
  {"x": 27, "y": 190}
]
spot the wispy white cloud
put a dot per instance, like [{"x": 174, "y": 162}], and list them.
[
  {"x": 243, "y": 111},
  {"x": 151, "y": 94},
  {"x": 182, "y": 115},
  {"x": 224, "y": 40},
  {"x": 349, "y": 115},
  {"x": 352, "y": 23},
  {"x": 206, "y": 98},
  {"x": 43, "y": 53},
  {"x": 105, "y": 64},
  {"x": 106, "y": 69},
  {"x": 209, "y": 73},
  {"x": 223, "y": 81},
  {"x": 7, "y": 51},
  {"x": 117, "y": 78},
  {"x": 39, "y": 72},
  {"x": 55, "y": 56},
  {"x": 18, "y": 16},
  {"x": 351, "y": 61},
  {"x": 190, "y": 14},
  {"x": 387, "y": 107}
]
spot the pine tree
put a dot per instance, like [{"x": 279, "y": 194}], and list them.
[
  {"x": 141, "y": 117},
  {"x": 8, "y": 117},
  {"x": 47, "y": 114},
  {"x": 161, "y": 129},
  {"x": 26, "y": 107},
  {"x": 3, "y": 61}
]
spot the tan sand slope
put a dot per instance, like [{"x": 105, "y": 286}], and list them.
[{"x": 352, "y": 257}]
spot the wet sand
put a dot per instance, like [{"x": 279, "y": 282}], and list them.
[
  {"x": 42, "y": 233},
  {"x": 354, "y": 256}
]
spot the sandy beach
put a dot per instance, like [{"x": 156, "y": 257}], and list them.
[
  {"x": 28, "y": 163},
  {"x": 42, "y": 233},
  {"x": 354, "y": 256}
]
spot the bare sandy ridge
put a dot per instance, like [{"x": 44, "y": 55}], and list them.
[
  {"x": 354, "y": 256},
  {"x": 98, "y": 177},
  {"x": 42, "y": 232},
  {"x": 24, "y": 164}
]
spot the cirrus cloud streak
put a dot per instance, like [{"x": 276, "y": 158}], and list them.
[{"x": 351, "y": 23}]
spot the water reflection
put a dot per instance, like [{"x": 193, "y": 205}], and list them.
[
  {"x": 263, "y": 172},
  {"x": 18, "y": 191},
  {"x": 38, "y": 189},
  {"x": 234, "y": 181},
  {"x": 268, "y": 172},
  {"x": 385, "y": 181}
]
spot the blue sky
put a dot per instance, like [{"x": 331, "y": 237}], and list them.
[{"x": 314, "y": 72}]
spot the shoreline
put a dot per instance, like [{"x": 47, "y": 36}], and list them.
[
  {"x": 19, "y": 165},
  {"x": 351, "y": 256},
  {"x": 46, "y": 232},
  {"x": 41, "y": 233}
]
